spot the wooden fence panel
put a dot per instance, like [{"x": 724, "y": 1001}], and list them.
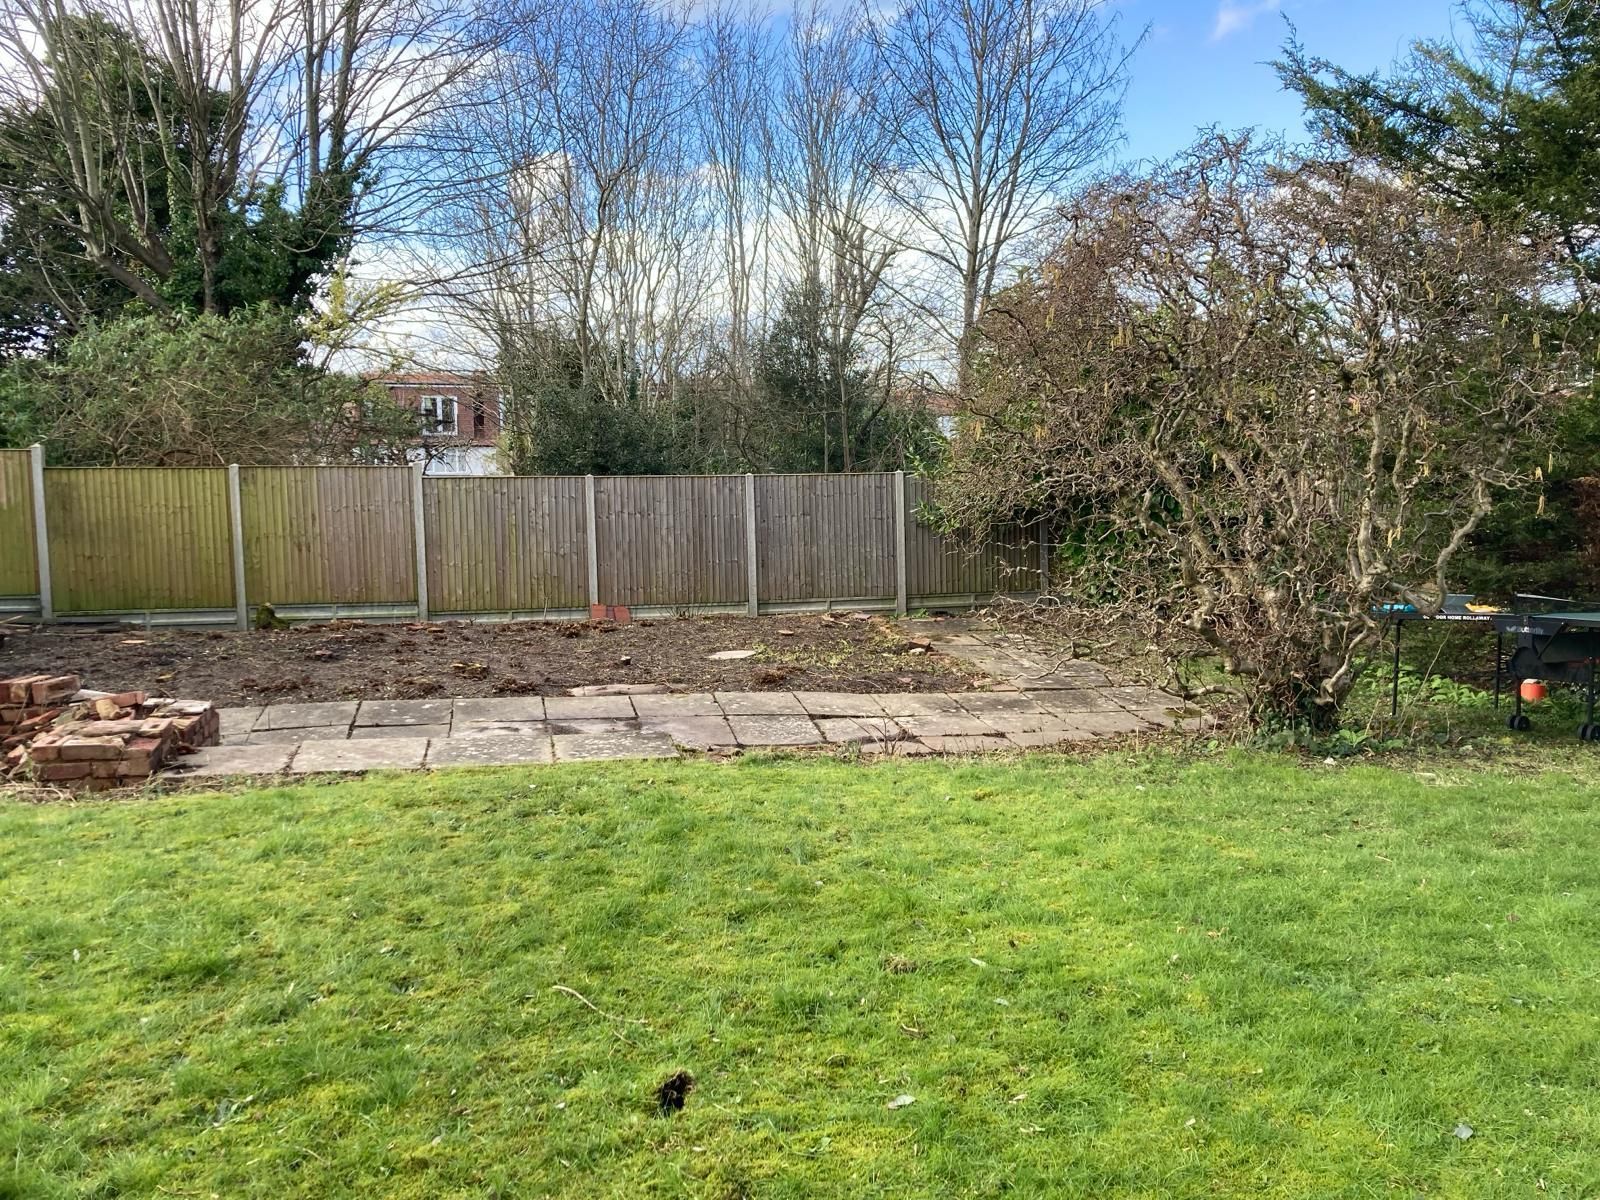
[
  {"x": 939, "y": 565},
  {"x": 133, "y": 539},
  {"x": 505, "y": 544},
  {"x": 328, "y": 535},
  {"x": 825, "y": 537},
  {"x": 19, "y": 566},
  {"x": 671, "y": 539}
]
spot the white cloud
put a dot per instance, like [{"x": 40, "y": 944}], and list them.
[{"x": 1236, "y": 15}]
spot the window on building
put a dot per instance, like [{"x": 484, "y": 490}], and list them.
[
  {"x": 438, "y": 415},
  {"x": 479, "y": 419}
]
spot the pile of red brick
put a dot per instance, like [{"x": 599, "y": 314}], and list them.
[{"x": 54, "y": 732}]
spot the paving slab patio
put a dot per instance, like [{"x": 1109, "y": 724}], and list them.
[{"x": 1033, "y": 701}]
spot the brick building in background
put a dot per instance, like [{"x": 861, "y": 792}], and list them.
[{"x": 459, "y": 417}]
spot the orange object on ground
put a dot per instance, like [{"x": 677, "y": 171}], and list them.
[{"x": 1533, "y": 691}]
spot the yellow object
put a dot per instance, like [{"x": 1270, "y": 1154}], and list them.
[{"x": 1484, "y": 608}]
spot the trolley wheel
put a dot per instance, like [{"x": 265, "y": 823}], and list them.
[
  {"x": 1589, "y": 733},
  {"x": 1519, "y": 722}
]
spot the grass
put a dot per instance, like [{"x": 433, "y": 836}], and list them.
[{"x": 1126, "y": 977}]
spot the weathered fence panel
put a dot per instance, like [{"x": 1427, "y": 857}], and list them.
[
  {"x": 671, "y": 539},
  {"x": 147, "y": 539},
  {"x": 328, "y": 535},
  {"x": 139, "y": 538},
  {"x": 825, "y": 537},
  {"x": 936, "y": 565},
  {"x": 505, "y": 544},
  {"x": 19, "y": 566}
]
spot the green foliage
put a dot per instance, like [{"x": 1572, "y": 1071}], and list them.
[
  {"x": 816, "y": 406},
  {"x": 802, "y": 412},
  {"x": 196, "y": 391},
  {"x": 66, "y": 265},
  {"x": 1123, "y": 978}
]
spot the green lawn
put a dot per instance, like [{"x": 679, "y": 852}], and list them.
[{"x": 1130, "y": 977}]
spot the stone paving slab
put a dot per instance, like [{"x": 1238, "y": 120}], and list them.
[
  {"x": 499, "y": 728},
  {"x": 839, "y": 704},
  {"x": 304, "y": 716},
  {"x": 688, "y": 704},
  {"x": 1111, "y": 724},
  {"x": 968, "y": 744},
  {"x": 1077, "y": 700},
  {"x": 367, "y": 732},
  {"x": 1045, "y": 740},
  {"x": 368, "y": 754},
  {"x": 593, "y": 747},
  {"x": 288, "y": 737},
  {"x": 954, "y": 724},
  {"x": 1023, "y": 722},
  {"x": 692, "y": 732},
  {"x": 919, "y": 704},
  {"x": 492, "y": 750},
  {"x": 759, "y": 704},
  {"x": 404, "y": 712},
  {"x": 854, "y": 730},
  {"x": 590, "y": 708},
  {"x": 983, "y": 703},
  {"x": 781, "y": 729},
  {"x": 500, "y": 708},
  {"x": 594, "y": 725},
  {"x": 238, "y": 722},
  {"x": 238, "y": 760}
]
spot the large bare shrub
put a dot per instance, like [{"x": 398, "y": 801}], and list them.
[{"x": 1262, "y": 397}]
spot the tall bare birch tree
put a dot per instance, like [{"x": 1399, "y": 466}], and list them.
[{"x": 996, "y": 107}]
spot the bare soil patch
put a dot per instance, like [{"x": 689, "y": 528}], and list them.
[{"x": 347, "y": 660}]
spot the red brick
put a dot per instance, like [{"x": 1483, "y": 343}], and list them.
[
  {"x": 61, "y": 772},
  {"x": 83, "y": 749},
  {"x": 18, "y": 689},
  {"x": 53, "y": 688}
]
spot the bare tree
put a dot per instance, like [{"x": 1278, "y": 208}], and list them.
[
  {"x": 844, "y": 231},
  {"x": 1266, "y": 398},
  {"x": 738, "y": 62},
  {"x": 997, "y": 107}
]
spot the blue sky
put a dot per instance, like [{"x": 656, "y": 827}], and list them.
[{"x": 1205, "y": 61}]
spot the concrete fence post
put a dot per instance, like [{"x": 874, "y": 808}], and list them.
[
  {"x": 419, "y": 529},
  {"x": 751, "y": 549},
  {"x": 900, "y": 543},
  {"x": 241, "y": 603},
  {"x": 41, "y": 534},
  {"x": 592, "y": 538},
  {"x": 1044, "y": 559}
]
